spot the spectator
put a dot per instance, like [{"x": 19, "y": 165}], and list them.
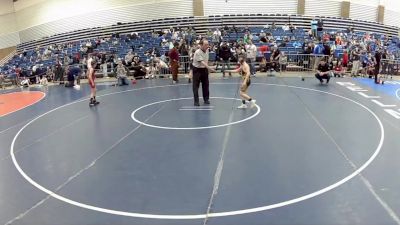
[
  {"x": 209, "y": 33},
  {"x": 251, "y": 55},
  {"x": 225, "y": 57},
  {"x": 174, "y": 62},
  {"x": 345, "y": 60},
  {"x": 129, "y": 58},
  {"x": 292, "y": 28},
  {"x": 339, "y": 71},
  {"x": 356, "y": 61},
  {"x": 72, "y": 74},
  {"x": 285, "y": 27},
  {"x": 184, "y": 53},
  {"x": 235, "y": 29},
  {"x": 283, "y": 60},
  {"x": 275, "y": 56},
  {"x": 122, "y": 78},
  {"x": 314, "y": 27},
  {"x": 327, "y": 49},
  {"x": 323, "y": 72},
  {"x": 378, "y": 56},
  {"x": 273, "y": 26}
]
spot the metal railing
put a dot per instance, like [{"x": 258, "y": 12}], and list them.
[{"x": 389, "y": 67}]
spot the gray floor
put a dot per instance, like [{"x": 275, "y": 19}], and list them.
[{"x": 290, "y": 163}]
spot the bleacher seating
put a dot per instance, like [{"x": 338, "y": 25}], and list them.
[{"x": 146, "y": 41}]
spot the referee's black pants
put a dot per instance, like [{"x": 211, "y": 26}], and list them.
[{"x": 200, "y": 75}]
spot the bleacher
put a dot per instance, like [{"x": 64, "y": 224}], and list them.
[
  {"x": 202, "y": 24},
  {"x": 145, "y": 42}
]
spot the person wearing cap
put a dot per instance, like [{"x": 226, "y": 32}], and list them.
[{"x": 200, "y": 73}]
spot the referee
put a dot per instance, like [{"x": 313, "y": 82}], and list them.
[{"x": 200, "y": 73}]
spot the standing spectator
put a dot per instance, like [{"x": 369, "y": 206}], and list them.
[
  {"x": 385, "y": 60},
  {"x": 251, "y": 55},
  {"x": 378, "y": 56},
  {"x": 225, "y": 56},
  {"x": 283, "y": 60},
  {"x": 314, "y": 27},
  {"x": 356, "y": 61},
  {"x": 184, "y": 52},
  {"x": 174, "y": 62},
  {"x": 327, "y": 49}
]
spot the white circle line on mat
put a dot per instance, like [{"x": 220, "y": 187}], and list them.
[
  {"x": 190, "y": 128},
  {"x": 202, "y": 216}
]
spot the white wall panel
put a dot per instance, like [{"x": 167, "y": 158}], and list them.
[
  {"x": 392, "y": 12},
  {"x": 8, "y": 24},
  {"x": 9, "y": 40},
  {"x": 366, "y": 2},
  {"x": 323, "y": 8},
  {"x": 392, "y": 18},
  {"x": 6, "y": 7},
  {"x": 223, "y": 7},
  {"x": 146, "y": 10},
  {"x": 363, "y": 12}
]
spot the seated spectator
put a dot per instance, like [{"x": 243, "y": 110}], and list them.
[
  {"x": 129, "y": 58},
  {"x": 292, "y": 28},
  {"x": 43, "y": 81},
  {"x": 273, "y": 26},
  {"x": 139, "y": 70},
  {"x": 323, "y": 72},
  {"x": 25, "y": 82},
  {"x": 209, "y": 33},
  {"x": 122, "y": 78},
  {"x": 234, "y": 28},
  {"x": 49, "y": 74},
  {"x": 262, "y": 34},
  {"x": 285, "y": 27}
]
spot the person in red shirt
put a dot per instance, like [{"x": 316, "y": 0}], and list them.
[
  {"x": 338, "y": 72},
  {"x": 345, "y": 60},
  {"x": 174, "y": 62},
  {"x": 263, "y": 49}
]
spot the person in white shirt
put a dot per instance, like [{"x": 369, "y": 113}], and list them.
[
  {"x": 285, "y": 27},
  {"x": 251, "y": 55},
  {"x": 217, "y": 33}
]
